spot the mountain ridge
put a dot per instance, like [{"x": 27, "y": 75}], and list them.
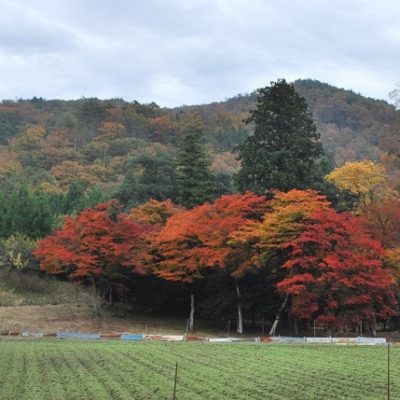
[{"x": 96, "y": 140}]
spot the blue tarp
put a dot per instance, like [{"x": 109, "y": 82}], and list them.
[
  {"x": 132, "y": 336},
  {"x": 78, "y": 335}
]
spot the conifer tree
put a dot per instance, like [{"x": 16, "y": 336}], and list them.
[
  {"x": 283, "y": 151},
  {"x": 195, "y": 182}
]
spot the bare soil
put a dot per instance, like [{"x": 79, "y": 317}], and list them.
[{"x": 80, "y": 317}]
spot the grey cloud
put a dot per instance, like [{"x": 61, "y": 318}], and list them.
[
  {"x": 33, "y": 39},
  {"x": 26, "y": 32},
  {"x": 195, "y": 51}
]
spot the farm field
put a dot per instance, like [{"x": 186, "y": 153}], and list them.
[{"x": 55, "y": 370}]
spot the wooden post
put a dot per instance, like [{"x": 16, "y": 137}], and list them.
[
  {"x": 315, "y": 333},
  {"x": 176, "y": 377},
  {"x": 388, "y": 371}
]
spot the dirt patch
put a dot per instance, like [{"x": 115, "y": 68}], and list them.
[{"x": 80, "y": 317}]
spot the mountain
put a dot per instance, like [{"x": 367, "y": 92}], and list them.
[
  {"x": 51, "y": 143},
  {"x": 352, "y": 127}
]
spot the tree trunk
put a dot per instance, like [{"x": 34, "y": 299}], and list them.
[
  {"x": 295, "y": 326},
  {"x": 96, "y": 299},
  {"x": 239, "y": 328},
  {"x": 373, "y": 326},
  {"x": 278, "y": 315},
  {"x": 191, "y": 316}
]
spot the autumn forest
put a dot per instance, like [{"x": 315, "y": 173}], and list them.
[{"x": 282, "y": 205}]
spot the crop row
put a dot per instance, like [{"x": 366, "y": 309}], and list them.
[{"x": 58, "y": 370}]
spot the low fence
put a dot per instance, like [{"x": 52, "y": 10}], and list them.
[
  {"x": 128, "y": 336},
  {"x": 352, "y": 340}
]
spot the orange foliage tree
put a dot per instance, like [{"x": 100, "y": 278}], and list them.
[
  {"x": 382, "y": 220},
  {"x": 283, "y": 220},
  {"x": 261, "y": 240},
  {"x": 198, "y": 240}
]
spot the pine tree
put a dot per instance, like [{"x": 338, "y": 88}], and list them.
[
  {"x": 283, "y": 151},
  {"x": 195, "y": 181}
]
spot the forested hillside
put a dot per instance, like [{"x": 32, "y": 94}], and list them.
[
  {"x": 51, "y": 143},
  {"x": 352, "y": 127},
  {"x": 127, "y": 197}
]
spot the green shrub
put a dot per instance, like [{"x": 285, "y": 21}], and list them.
[{"x": 16, "y": 253}]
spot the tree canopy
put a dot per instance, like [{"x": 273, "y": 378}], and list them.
[
  {"x": 282, "y": 152},
  {"x": 335, "y": 274},
  {"x": 195, "y": 182},
  {"x": 99, "y": 246}
]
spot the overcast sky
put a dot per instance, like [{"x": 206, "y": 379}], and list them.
[{"x": 178, "y": 52}]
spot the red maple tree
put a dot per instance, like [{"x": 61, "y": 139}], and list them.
[
  {"x": 335, "y": 274},
  {"x": 98, "y": 246}
]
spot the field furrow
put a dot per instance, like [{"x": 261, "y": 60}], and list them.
[{"x": 79, "y": 370}]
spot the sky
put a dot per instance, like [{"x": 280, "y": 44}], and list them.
[{"x": 176, "y": 52}]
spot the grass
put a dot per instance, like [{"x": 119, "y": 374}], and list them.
[
  {"x": 58, "y": 370},
  {"x": 24, "y": 289}
]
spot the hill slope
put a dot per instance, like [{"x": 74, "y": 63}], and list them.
[{"x": 51, "y": 143}]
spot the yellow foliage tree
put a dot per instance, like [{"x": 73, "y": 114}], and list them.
[
  {"x": 9, "y": 163},
  {"x": 155, "y": 212},
  {"x": 366, "y": 179},
  {"x": 29, "y": 140}
]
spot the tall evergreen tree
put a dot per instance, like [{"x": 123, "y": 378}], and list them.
[
  {"x": 195, "y": 183},
  {"x": 283, "y": 151}
]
